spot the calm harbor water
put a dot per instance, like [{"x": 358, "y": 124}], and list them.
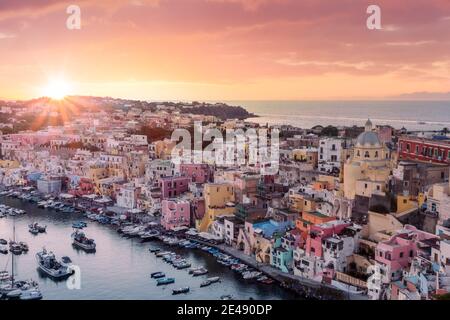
[
  {"x": 121, "y": 267},
  {"x": 413, "y": 115}
]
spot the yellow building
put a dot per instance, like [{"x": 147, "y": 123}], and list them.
[
  {"x": 9, "y": 164},
  {"x": 308, "y": 155},
  {"x": 219, "y": 201},
  {"x": 367, "y": 171}
]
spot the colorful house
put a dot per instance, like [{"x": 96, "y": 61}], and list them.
[
  {"x": 175, "y": 213},
  {"x": 198, "y": 173},
  {"x": 219, "y": 201},
  {"x": 173, "y": 186}
]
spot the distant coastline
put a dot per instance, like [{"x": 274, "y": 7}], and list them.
[{"x": 413, "y": 115}]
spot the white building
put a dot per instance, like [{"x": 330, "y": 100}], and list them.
[
  {"x": 330, "y": 154},
  {"x": 127, "y": 196},
  {"x": 49, "y": 185}
]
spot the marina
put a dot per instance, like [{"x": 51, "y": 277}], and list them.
[{"x": 121, "y": 269}]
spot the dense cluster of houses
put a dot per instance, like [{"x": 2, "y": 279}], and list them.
[{"x": 367, "y": 210}]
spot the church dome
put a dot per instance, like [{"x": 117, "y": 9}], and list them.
[{"x": 368, "y": 137}]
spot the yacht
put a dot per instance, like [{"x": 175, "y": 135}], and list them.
[{"x": 48, "y": 264}]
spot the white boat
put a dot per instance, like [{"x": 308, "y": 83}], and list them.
[
  {"x": 209, "y": 281},
  {"x": 135, "y": 231},
  {"x": 42, "y": 204},
  {"x": 251, "y": 275},
  {"x": 48, "y": 264},
  {"x": 191, "y": 270}
]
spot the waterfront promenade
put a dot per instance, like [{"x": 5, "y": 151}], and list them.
[{"x": 299, "y": 284}]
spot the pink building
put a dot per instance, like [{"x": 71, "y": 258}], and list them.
[
  {"x": 198, "y": 173},
  {"x": 320, "y": 232},
  {"x": 173, "y": 186},
  {"x": 397, "y": 253},
  {"x": 175, "y": 213},
  {"x": 394, "y": 255}
]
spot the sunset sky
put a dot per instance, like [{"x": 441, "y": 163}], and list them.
[{"x": 225, "y": 49}]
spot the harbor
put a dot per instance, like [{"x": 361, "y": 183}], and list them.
[{"x": 121, "y": 266}]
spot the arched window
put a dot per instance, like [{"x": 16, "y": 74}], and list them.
[
  {"x": 376, "y": 154},
  {"x": 358, "y": 154},
  {"x": 366, "y": 154}
]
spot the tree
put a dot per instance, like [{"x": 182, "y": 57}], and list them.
[{"x": 330, "y": 131}]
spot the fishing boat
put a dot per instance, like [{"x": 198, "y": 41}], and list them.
[
  {"x": 81, "y": 241},
  {"x": 154, "y": 250},
  {"x": 36, "y": 227},
  {"x": 158, "y": 275},
  {"x": 165, "y": 281},
  {"x": 200, "y": 272},
  {"x": 180, "y": 290},
  {"x": 48, "y": 264}
]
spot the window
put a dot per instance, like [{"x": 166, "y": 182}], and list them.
[
  {"x": 401, "y": 254},
  {"x": 376, "y": 154},
  {"x": 365, "y": 185},
  {"x": 366, "y": 154},
  {"x": 408, "y": 147},
  {"x": 417, "y": 149}
]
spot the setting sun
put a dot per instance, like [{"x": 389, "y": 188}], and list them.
[{"x": 56, "y": 89}]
